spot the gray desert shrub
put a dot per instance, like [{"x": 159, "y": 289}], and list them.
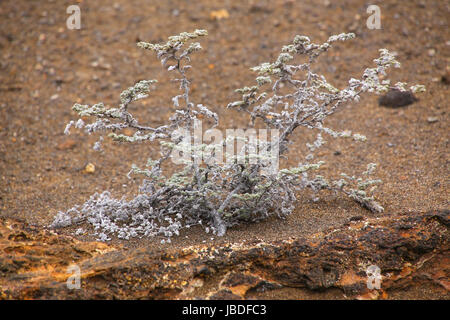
[{"x": 214, "y": 194}]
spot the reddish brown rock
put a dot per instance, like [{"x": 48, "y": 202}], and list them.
[{"x": 411, "y": 250}]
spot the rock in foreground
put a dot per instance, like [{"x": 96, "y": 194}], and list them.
[{"x": 411, "y": 250}]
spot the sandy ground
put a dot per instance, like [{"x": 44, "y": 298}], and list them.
[{"x": 45, "y": 68}]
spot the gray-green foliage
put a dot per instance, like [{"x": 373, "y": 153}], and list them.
[{"x": 220, "y": 195}]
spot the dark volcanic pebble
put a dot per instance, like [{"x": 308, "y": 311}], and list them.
[{"x": 396, "y": 99}]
